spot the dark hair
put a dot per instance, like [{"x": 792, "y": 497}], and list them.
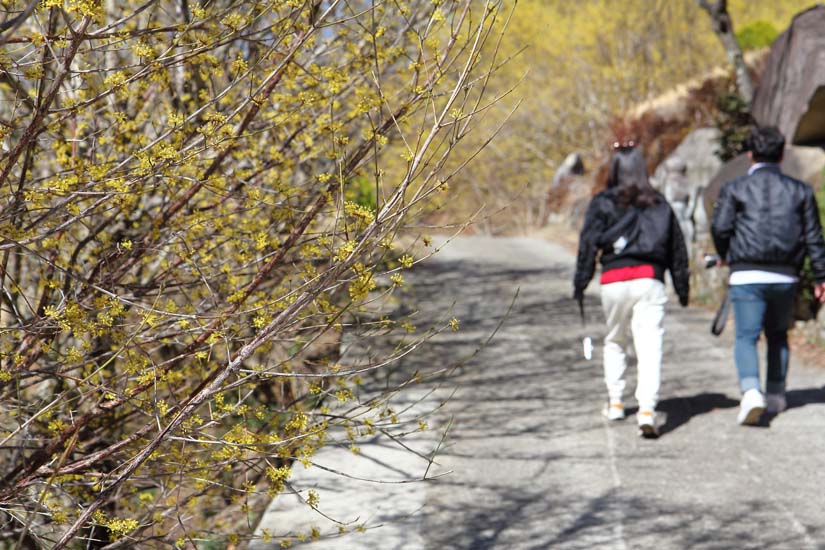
[
  {"x": 628, "y": 175},
  {"x": 766, "y": 144}
]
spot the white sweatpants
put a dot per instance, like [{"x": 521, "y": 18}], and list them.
[{"x": 637, "y": 307}]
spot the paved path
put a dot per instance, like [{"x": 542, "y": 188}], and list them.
[{"x": 530, "y": 463}]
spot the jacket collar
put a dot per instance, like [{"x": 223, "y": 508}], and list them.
[{"x": 772, "y": 166}]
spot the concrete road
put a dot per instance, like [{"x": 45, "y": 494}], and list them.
[{"x": 529, "y": 463}]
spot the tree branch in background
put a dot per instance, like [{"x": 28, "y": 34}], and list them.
[
  {"x": 13, "y": 24},
  {"x": 723, "y": 27}
]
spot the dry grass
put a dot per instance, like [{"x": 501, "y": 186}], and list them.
[{"x": 674, "y": 102}]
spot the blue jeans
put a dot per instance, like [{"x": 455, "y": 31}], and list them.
[{"x": 757, "y": 307}]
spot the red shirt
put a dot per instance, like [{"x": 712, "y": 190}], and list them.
[{"x": 628, "y": 273}]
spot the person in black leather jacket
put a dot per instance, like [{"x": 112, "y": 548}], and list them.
[
  {"x": 764, "y": 224},
  {"x": 635, "y": 235}
]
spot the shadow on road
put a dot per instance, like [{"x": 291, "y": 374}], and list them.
[
  {"x": 679, "y": 410},
  {"x": 585, "y": 523},
  {"x": 809, "y": 396},
  {"x": 797, "y": 398}
]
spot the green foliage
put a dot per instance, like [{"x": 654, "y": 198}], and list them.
[
  {"x": 733, "y": 120},
  {"x": 807, "y": 305},
  {"x": 820, "y": 198},
  {"x": 758, "y": 34}
]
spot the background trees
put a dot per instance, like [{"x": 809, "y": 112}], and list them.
[
  {"x": 723, "y": 27},
  {"x": 194, "y": 202},
  {"x": 579, "y": 65}
]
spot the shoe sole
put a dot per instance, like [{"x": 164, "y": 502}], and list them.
[
  {"x": 753, "y": 416},
  {"x": 648, "y": 432}
]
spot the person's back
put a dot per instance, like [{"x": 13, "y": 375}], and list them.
[
  {"x": 767, "y": 220},
  {"x": 631, "y": 235},
  {"x": 764, "y": 224},
  {"x": 632, "y": 230}
]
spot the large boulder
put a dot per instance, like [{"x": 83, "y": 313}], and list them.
[
  {"x": 791, "y": 94},
  {"x": 568, "y": 188},
  {"x": 803, "y": 163},
  {"x": 697, "y": 152},
  {"x": 685, "y": 173},
  {"x": 572, "y": 166}
]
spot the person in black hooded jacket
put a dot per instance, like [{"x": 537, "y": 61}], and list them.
[{"x": 633, "y": 232}]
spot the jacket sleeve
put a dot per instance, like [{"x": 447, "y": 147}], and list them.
[
  {"x": 812, "y": 234},
  {"x": 588, "y": 247},
  {"x": 678, "y": 261},
  {"x": 723, "y": 223}
]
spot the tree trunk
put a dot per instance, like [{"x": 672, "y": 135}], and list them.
[{"x": 723, "y": 27}]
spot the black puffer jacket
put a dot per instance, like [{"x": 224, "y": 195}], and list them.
[
  {"x": 769, "y": 221},
  {"x": 631, "y": 236}
]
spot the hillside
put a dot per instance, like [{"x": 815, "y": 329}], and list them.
[{"x": 577, "y": 69}]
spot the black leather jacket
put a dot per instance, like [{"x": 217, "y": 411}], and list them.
[
  {"x": 631, "y": 236},
  {"x": 769, "y": 221}
]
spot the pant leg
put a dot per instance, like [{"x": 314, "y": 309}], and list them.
[
  {"x": 778, "y": 319},
  {"x": 749, "y": 314},
  {"x": 648, "y": 333},
  {"x": 617, "y": 305}
]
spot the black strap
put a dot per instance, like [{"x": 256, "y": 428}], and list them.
[
  {"x": 581, "y": 310},
  {"x": 721, "y": 316}
]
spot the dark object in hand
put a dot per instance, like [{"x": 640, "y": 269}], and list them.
[
  {"x": 711, "y": 260},
  {"x": 721, "y": 317}
]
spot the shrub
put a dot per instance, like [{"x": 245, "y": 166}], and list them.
[
  {"x": 733, "y": 119},
  {"x": 177, "y": 260},
  {"x": 758, "y": 34}
]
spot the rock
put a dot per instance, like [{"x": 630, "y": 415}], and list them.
[
  {"x": 697, "y": 153},
  {"x": 805, "y": 163},
  {"x": 572, "y": 166},
  {"x": 683, "y": 176},
  {"x": 791, "y": 94},
  {"x": 565, "y": 188}
]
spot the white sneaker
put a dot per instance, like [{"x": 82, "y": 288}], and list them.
[
  {"x": 647, "y": 424},
  {"x": 751, "y": 408},
  {"x": 614, "y": 410},
  {"x": 775, "y": 403}
]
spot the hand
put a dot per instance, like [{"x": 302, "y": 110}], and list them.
[
  {"x": 819, "y": 292},
  {"x": 722, "y": 263}
]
